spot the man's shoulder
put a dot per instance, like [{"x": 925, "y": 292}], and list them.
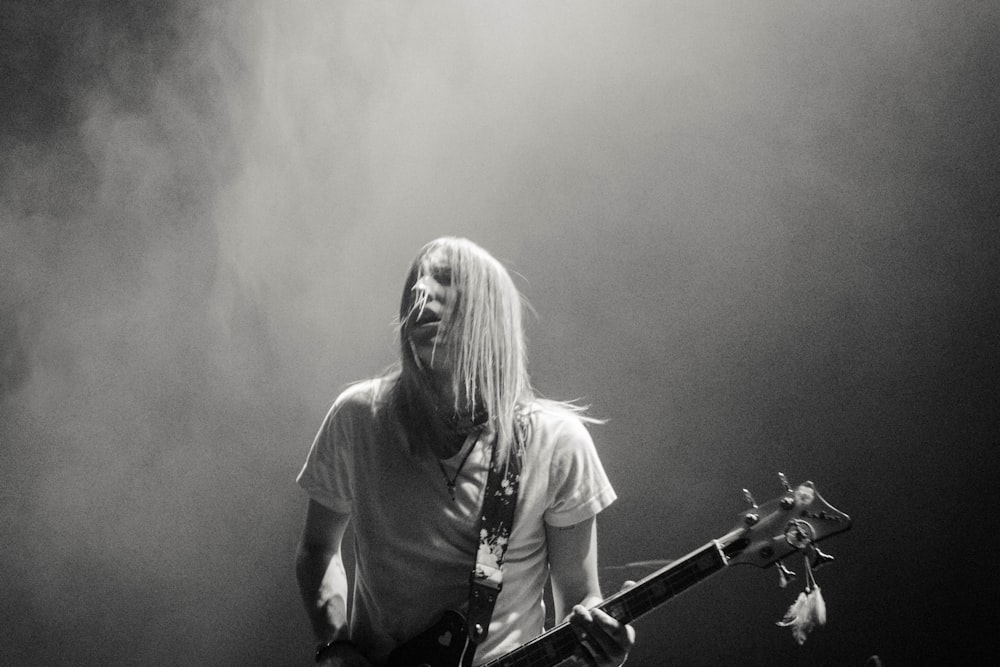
[
  {"x": 362, "y": 396},
  {"x": 361, "y": 390},
  {"x": 550, "y": 419}
]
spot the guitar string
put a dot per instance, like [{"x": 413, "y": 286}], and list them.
[{"x": 560, "y": 643}]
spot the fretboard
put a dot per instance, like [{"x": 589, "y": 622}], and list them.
[{"x": 559, "y": 643}]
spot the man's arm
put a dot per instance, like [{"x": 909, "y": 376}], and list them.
[
  {"x": 319, "y": 568},
  {"x": 576, "y": 589}
]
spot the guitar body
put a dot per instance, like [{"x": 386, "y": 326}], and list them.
[{"x": 442, "y": 645}]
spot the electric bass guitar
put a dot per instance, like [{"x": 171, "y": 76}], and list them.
[{"x": 791, "y": 523}]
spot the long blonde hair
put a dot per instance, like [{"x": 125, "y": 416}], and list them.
[{"x": 484, "y": 333}]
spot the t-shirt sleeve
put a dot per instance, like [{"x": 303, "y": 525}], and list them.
[
  {"x": 325, "y": 476},
  {"x": 578, "y": 486}
]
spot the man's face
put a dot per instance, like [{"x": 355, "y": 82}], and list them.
[{"x": 433, "y": 299}]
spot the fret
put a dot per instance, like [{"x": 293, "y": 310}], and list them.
[
  {"x": 545, "y": 651},
  {"x": 665, "y": 584},
  {"x": 557, "y": 645}
]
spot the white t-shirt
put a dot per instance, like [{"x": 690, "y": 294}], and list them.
[{"x": 415, "y": 545}]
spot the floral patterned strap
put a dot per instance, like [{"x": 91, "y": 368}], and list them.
[{"x": 496, "y": 523}]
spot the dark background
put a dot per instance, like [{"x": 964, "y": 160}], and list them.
[{"x": 759, "y": 237}]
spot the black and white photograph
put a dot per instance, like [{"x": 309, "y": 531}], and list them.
[{"x": 499, "y": 333}]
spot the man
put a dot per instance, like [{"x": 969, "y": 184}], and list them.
[{"x": 406, "y": 457}]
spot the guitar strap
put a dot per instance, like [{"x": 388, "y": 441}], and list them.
[{"x": 496, "y": 523}]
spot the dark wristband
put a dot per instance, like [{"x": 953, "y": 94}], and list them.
[{"x": 323, "y": 647}]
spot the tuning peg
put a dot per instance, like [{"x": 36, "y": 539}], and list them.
[
  {"x": 784, "y": 574},
  {"x": 751, "y": 518},
  {"x": 820, "y": 558},
  {"x": 784, "y": 481}
]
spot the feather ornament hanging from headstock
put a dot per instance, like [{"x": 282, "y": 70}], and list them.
[{"x": 808, "y": 611}]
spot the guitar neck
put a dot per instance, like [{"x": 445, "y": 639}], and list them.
[
  {"x": 665, "y": 583},
  {"x": 626, "y": 606}
]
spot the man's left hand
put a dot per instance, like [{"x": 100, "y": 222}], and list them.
[{"x": 605, "y": 640}]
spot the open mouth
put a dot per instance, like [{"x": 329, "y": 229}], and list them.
[
  {"x": 424, "y": 314},
  {"x": 426, "y": 317},
  {"x": 426, "y": 329}
]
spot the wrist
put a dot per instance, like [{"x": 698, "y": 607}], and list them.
[{"x": 328, "y": 649}]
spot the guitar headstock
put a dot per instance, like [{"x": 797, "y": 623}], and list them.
[{"x": 793, "y": 522}]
